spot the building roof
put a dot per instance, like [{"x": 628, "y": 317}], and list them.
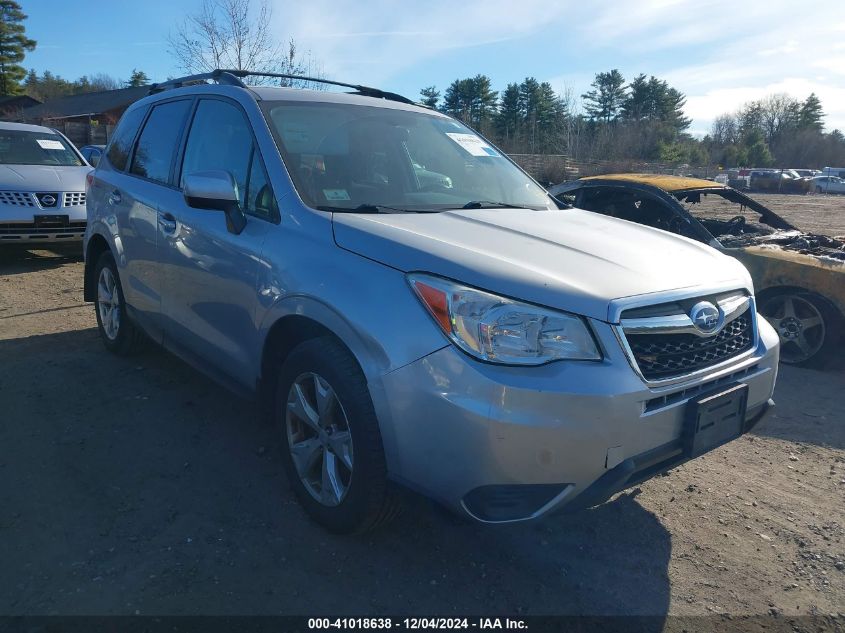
[
  {"x": 92, "y": 103},
  {"x": 666, "y": 183}
]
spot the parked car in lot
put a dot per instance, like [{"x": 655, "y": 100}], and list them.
[
  {"x": 799, "y": 278},
  {"x": 778, "y": 181},
  {"x": 42, "y": 186},
  {"x": 828, "y": 184},
  {"x": 475, "y": 342},
  {"x": 92, "y": 153}
]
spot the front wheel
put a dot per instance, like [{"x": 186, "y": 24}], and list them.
[
  {"x": 331, "y": 444},
  {"x": 118, "y": 333},
  {"x": 807, "y": 325}
]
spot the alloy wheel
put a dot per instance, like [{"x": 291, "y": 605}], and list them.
[
  {"x": 108, "y": 303},
  {"x": 319, "y": 439},
  {"x": 800, "y": 325}
]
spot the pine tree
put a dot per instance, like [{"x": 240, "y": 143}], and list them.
[
  {"x": 604, "y": 101},
  {"x": 638, "y": 103},
  {"x": 13, "y": 44},
  {"x": 430, "y": 96},
  {"x": 509, "y": 118},
  {"x": 810, "y": 114},
  {"x": 138, "y": 78}
]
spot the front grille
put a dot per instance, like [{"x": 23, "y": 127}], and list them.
[
  {"x": 661, "y": 356},
  {"x": 17, "y": 198},
  {"x": 74, "y": 198}
]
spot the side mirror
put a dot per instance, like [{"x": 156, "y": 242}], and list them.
[
  {"x": 217, "y": 190},
  {"x": 94, "y": 160}
]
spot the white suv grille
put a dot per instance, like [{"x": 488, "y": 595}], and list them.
[
  {"x": 74, "y": 199},
  {"x": 17, "y": 198}
]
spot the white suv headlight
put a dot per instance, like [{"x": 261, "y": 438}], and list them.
[{"x": 501, "y": 330}]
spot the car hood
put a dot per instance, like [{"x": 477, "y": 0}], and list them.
[
  {"x": 569, "y": 259},
  {"x": 43, "y": 177}
]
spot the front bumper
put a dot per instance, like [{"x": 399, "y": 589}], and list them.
[
  {"x": 37, "y": 225},
  {"x": 505, "y": 444}
]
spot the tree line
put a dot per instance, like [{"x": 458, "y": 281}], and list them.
[
  {"x": 778, "y": 130},
  {"x": 641, "y": 119}
]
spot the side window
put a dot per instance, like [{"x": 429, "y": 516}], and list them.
[
  {"x": 121, "y": 141},
  {"x": 159, "y": 138},
  {"x": 259, "y": 194},
  {"x": 220, "y": 138}
]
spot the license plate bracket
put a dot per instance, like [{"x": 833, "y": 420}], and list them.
[
  {"x": 48, "y": 221},
  {"x": 715, "y": 418}
]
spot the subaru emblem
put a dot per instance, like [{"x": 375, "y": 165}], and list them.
[{"x": 706, "y": 317}]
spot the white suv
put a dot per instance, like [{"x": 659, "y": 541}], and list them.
[{"x": 42, "y": 186}]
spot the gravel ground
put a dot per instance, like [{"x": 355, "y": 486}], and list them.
[{"x": 138, "y": 486}]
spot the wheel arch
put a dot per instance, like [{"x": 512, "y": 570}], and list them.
[{"x": 97, "y": 245}]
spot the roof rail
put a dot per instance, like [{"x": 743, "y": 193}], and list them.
[
  {"x": 231, "y": 77},
  {"x": 362, "y": 90},
  {"x": 220, "y": 76}
]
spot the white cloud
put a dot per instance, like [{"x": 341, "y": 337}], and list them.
[
  {"x": 720, "y": 53},
  {"x": 348, "y": 36}
]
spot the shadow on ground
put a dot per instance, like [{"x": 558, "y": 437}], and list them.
[
  {"x": 137, "y": 485},
  {"x": 17, "y": 259}
]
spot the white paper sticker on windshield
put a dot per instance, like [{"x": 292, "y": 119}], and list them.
[
  {"x": 336, "y": 194},
  {"x": 48, "y": 144},
  {"x": 475, "y": 145}
]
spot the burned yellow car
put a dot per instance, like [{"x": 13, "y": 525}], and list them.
[{"x": 799, "y": 278}]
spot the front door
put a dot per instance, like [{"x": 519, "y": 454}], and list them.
[{"x": 210, "y": 275}]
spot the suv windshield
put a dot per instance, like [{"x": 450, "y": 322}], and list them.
[
  {"x": 346, "y": 156},
  {"x": 22, "y": 147}
]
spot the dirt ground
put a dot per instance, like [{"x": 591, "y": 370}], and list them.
[
  {"x": 813, "y": 212},
  {"x": 138, "y": 486}
]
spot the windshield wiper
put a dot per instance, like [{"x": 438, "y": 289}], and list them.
[
  {"x": 488, "y": 204},
  {"x": 365, "y": 208}
]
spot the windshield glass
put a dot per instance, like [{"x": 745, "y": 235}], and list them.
[
  {"x": 22, "y": 147},
  {"x": 343, "y": 156}
]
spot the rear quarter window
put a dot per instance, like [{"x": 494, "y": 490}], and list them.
[
  {"x": 121, "y": 142},
  {"x": 156, "y": 146}
]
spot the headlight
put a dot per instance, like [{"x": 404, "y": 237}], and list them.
[{"x": 501, "y": 330}]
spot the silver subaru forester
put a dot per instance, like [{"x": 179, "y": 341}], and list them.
[{"x": 414, "y": 309}]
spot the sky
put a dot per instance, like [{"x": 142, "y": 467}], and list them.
[{"x": 721, "y": 54}]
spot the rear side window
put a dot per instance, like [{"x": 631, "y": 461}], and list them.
[
  {"x": 158, "y": 141},
  {"x": 121, "y": 142}
]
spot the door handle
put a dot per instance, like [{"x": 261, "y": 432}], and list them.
[
  {"x": 167, "y": 222},
  {"x": 115, "y": 197}
]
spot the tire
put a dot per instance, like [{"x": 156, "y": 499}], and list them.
[
  {"x": 819, "y": 190},
  {"x": 337, "y": 431},
  {"x": 118, "y": 333},
  {"x": 809, "y": 327}
]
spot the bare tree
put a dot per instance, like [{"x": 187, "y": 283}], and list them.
[{"x": 231, "y": 34}]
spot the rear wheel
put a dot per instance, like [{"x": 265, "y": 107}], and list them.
[
  {"x": 807, "y": 325},
  {"x": 331, "y": 444},
  {"x": 118, "y": 333}
]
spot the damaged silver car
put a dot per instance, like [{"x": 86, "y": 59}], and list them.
[{"x": 799, "y": 277}]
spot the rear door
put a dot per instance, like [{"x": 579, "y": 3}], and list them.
[
  {"x": 209, "y": 298},
  {"x": 137, "y": 194}
]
